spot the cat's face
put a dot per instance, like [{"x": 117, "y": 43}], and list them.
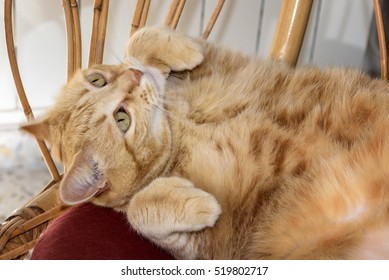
[{"x": 109, "y": 131}]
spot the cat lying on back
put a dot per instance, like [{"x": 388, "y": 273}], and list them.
[{"x": 216, "y": 155}]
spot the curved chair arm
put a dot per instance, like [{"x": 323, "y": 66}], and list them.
[{"x": 21, "y": 230}]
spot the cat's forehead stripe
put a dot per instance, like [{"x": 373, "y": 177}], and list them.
[{"x": 101, "y": 120}]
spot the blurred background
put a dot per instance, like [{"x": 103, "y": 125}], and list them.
[{"x": 340, "y": 33}]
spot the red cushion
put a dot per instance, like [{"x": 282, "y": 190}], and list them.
[{"x": 91, "y": 232}]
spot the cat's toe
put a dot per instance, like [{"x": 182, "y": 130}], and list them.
[
  {"x": 205, "y": 211},
  {"x": 189, "y": 56}
]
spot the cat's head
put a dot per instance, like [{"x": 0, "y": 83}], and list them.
[{"x": 109, "y": 131}]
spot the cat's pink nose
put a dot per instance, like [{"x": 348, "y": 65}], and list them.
[
  {"x": 137, "y": 74},
  {"x": 130, "y": 79}
]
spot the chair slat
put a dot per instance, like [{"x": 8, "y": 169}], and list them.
[
  {"x": 99, "y": 27},
  {"x": 76, "y": 34},
  {"x": 381, "y": 40},
  {"x": 70, "y": 37},
  {"x": 140, "y": 15},
  {"x": 290, "y": 30},
  {"x": 174, "y": 13},
  {"x": 212, "y": 20}
]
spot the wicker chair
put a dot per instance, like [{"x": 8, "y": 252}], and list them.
[{"x": 21, "y": 230}]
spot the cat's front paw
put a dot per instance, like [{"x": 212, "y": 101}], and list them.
[
  {"x": 165, "y": 49},
  {"x": 170, "y": 206}
]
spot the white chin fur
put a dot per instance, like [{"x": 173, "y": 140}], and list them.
[
  {"x": 156, "y": 117},
  {"x": 158, "y": 78}
]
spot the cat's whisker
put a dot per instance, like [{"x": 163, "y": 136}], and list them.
[
  {"x": 171, "y": 115},
  {"x": 166, "y": 98},
  {"x": 172, "y": 102}
]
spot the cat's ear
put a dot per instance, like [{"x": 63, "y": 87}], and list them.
[
  {"x": 83, "y": 180},
  {"x": 39, "y": 128}
]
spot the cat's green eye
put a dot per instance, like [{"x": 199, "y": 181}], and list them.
[
  {"x": 123, "y": 120},
  {"x": 97, "y": 80}
]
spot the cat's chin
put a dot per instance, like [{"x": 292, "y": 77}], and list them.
[{"x": 156, "y": 77}]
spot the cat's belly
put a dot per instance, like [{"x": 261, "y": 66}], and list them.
[
  {"x": 235, "y": 159},
  {"x": 210, "y": 169}
]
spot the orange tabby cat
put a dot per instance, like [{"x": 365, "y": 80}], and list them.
[{"x": 217, "y": 155}]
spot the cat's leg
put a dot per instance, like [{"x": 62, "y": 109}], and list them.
[
  {"x": 169, "y": 211},
  {"x": 165, "y": 49}
]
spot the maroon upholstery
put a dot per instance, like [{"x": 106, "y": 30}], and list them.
[{"x": 91, "y": 232}]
